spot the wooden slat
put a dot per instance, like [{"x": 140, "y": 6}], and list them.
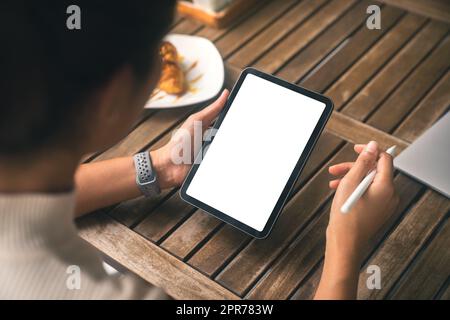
[
  {"x": 164, "y": 218},
  {"x": 148, "y": 260},
  {"x": 446, "y": 292},
  {"x": 214, "y": 34},
  {"x": 352, "y": 51},
  {"x": 250, "y": 27},
  {"x": 404, "y": 242},
  {"x": 359, "y": 73},
  {"x": 427, "y": 112},
  {"x": 320, "y": 47},
  {"x": 424, "y": 279},
  {"x": 190, "y": 234},
  {"x": 130, "y": 211},
  {"x": 187, "y": 26},
  {"x": 308, "y": 248},
  {"x": 274, "y": 33},
  {"x": 357, "y": 132},
  {"x": 410, "y": 92},
  {"x": 283, "y": 51},
  {"x": 176, "y": 19},
  {"x": 219, "y": 250},
  {"x": 436, "y": 9},
  {"x": 308, "y": 289},
  {"x": 369, "y": 98}
]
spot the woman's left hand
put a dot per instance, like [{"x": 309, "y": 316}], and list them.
[{"x": 171, "y": 162}]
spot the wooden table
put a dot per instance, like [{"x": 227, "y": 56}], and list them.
[{"x": 388, "y": 85}]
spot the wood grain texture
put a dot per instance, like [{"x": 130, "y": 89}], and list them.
[
  {"x": 221, "y": 248},
  {"x": 242, "y": 33},
  {"x": 295, "y": 262},
  {"x": 192, "y": 232},
  {"x": 362, "y": 40},
  {"x": 427, "y": 112},
  {"x": 398, "y": 250},
  {"x": 324, "y": 44},
  {"x": 362, "y": 70},
  {"x": 445, "y": 295},
  {"x": 265, "y": 40},
  {"x": 429, "y": 271},
  {"x": 306, "y": 32},
  {"x": 395, "y": 71},
  {"x": 148, "y": 261},
  {"x": 412, "y": 90},
  {"x": 436, "y": 9},
  {"x": 357, "y": 132},
  {"x": 170, "y": 214}
]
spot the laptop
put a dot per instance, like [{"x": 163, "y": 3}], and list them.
[{"x": 428, "y": 158}]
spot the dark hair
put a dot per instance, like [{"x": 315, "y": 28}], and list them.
[{"x": 48, "y": 70}]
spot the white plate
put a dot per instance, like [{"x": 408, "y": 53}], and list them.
[{"x": 204, "y": 71}]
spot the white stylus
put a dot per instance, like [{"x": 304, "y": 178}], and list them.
[{"x": 362, "y": 187}]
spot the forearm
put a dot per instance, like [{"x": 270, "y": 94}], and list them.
[
  {"x": 340, "y": 276},
  {"x": 103, "y": 183}
]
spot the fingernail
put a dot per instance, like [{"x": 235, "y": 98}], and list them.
[{"x": 372, "y": 147}]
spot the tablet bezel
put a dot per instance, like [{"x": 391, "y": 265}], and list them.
[{"x": 295, "y": 173}]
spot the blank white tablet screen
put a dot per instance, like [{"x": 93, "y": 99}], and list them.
[{"x": 255, "y": 151}]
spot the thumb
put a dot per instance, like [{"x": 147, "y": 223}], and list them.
[
  {"x": 365, "y": 162},
  {"x": 208, "y": 114}
]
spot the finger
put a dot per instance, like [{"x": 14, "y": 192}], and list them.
[
  {"x": 208, "y": 114},
  {"x": 365, "y": 162},
  {"x": 385, "y": 169},
  {"x": 359, "y": 148},
  {"x": 334, "y": 183},
  {"x": 340, "y": 169}
]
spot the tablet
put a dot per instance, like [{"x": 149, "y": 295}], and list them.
[{"x": 264, "y": 136}]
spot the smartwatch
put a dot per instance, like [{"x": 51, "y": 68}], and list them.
[{"x": 146, "y": 178}]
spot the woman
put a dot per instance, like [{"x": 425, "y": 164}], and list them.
[{"x": 69, "y": 92}]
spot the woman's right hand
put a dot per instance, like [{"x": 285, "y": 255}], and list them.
[{"x": 349, "y": 234}]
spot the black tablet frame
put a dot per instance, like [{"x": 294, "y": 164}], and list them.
[{"x": 295, "y": 173}]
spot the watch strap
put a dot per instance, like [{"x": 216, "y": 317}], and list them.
[{"x": 146, "y": 178}]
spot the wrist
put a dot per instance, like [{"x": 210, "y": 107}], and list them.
[
  {"x": 162, "y": 167},
  {"x": 343, "y": 250}
]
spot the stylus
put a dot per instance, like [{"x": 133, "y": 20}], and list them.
[{"x": 362, "y": 187}]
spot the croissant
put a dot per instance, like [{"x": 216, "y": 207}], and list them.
[{"x": 172, "y": 78}]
